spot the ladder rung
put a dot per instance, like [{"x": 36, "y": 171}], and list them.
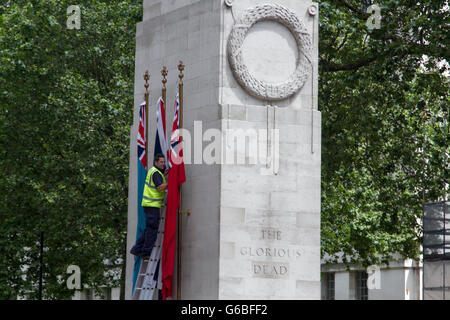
[{"x": 143, "y": 288}]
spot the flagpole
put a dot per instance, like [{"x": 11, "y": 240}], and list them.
[
  {"x": 180, "y": 93},
  {"x": 146, "y": 95}
]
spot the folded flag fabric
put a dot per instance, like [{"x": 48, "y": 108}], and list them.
[
  {"x": 161, "y": 140},
  {"x": 142, "y": 174},
  {"x": 176, "y": 178}
]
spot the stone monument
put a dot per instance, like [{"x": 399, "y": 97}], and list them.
[{"x": 250, "y": 91}]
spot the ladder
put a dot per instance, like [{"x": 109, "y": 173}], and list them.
[{"x": 145, "y": 284}]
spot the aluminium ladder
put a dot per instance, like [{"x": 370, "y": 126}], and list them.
[{"x": 145, "y": 284}]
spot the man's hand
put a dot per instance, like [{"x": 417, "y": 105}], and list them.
[{"x": 162, "y": 186}]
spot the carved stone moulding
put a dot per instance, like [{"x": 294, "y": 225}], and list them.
[{"x": 260, "y": 89}]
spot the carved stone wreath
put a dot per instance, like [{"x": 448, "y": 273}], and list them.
[{"x": 255, "y": 87}]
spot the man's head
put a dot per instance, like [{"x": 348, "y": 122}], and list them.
[{"x": 159, "y": 161}]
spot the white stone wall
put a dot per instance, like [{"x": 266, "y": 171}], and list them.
[
  {"x": 270, "y": 224},
  {"x": 392, "y": 286}
]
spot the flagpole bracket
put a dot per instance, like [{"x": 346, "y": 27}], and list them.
[{"x": 188, "y": 212}]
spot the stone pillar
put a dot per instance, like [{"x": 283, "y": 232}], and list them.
[{"x": 251, "y": 74}]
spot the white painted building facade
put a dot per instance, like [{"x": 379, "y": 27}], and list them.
[
  {"x": 89, "y": 294},
  {"x": 401, "y": 280}
]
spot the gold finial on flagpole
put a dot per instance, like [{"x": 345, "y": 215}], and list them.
[
  {"x": 180, "y": 91},
  {"x": 146, "y": 78},
  {"x": 164, "y": 81},
  {"x": 181, "y": 68},
  {"x": 164, "y": 74}
]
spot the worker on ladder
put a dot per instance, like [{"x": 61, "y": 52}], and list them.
[{"x": 154, "y": 192}]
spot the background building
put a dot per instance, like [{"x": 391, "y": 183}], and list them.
[{"x": 400, "y": 280}]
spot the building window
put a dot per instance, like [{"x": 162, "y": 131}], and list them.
[
  {"x": 88, "y": 294},
  {"x": 107, "y": 293},
  {"x": 362, "y": 292},
  {"x": 329, "y": 280}
]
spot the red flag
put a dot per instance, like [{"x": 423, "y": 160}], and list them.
[{"x": 177, "y": 177}]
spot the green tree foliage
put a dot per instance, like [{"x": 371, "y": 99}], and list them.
[
  {"x": 66, "y": 102},
  {"x": 383, "y": 108}
]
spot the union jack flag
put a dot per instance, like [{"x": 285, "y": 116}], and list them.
[
  {"x": 175, "y": 137},
  {"x": 141, "y": 136}
]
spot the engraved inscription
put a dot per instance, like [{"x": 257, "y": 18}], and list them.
[
  {"x": 270, "y": 269},
  {"x": 270, "y": 252},
  {"x": 274, "y": 270},
  {"x": 271, "y": 234}
]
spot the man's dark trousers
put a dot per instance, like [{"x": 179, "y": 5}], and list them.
[{"x": 146, "y": 241}]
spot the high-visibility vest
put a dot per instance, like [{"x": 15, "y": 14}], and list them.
[{"x": 152, "y": 196}]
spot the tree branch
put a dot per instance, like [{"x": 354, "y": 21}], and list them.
[
  {"x": 414, "y": 49},
  {"x": 342, "y": 43},
  {"x": 360, "y": 14},
  {"x": 333, "y": 67}
]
